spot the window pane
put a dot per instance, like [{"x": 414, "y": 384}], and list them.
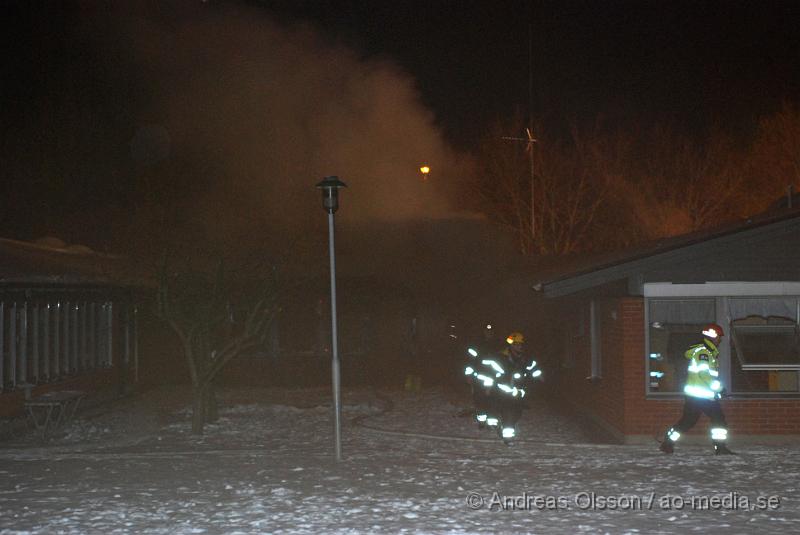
[
  {"x": 752, "y": 381},
  {"x": 675, "y": 325},
  {"x": 682, "y": 311},
  {"x": 766, "y": 345},
  {"x": 776, "y": 307},
  {"x": 764, "y": 334}
]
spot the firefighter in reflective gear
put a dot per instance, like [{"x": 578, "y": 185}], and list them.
[
  {"x": 482, "y": 375},
  {"x": 507, "y": 398},
  {"x": 703, "y": 390}
]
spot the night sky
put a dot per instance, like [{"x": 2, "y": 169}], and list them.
[
  {"x": 170, "y": 115},
  {"x": 695, "y": 64}
]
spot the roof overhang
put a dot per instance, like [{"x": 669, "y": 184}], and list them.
[
  {"x": 634, "y": 267},
  {"x": 730, "y": 288}
]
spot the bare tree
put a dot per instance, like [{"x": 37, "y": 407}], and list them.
[
  {"x": 571, "y": 183},
  {"x": 214, "y": 323},
  {"x": 502, "y": 185},
  {"x": 680, "y": 185},
  {"x": 606, "y": 188},
  {"x": 576, "y": 181},
  {"x": 774, "y": 161}
]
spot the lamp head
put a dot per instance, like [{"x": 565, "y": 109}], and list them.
[{"x": 330, "y": 193}]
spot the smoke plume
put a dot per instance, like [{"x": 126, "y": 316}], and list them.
[{"x": 241, "y": 117}]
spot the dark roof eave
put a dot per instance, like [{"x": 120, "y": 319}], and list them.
[
  {"x": 58, "y": 280},
  {"x": 635, "y": 264}
]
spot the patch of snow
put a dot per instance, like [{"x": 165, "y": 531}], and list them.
[{"x": 412, "y": 463}]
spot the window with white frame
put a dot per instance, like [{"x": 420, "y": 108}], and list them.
[
  {"x": 673, "y": 326},
  {"x": 765, "y": 343},
  {"x": 761, "y": 352}
]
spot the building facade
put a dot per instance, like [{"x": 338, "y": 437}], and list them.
[
  {"x": 68, "y": 321},
  {"x": 626, "y": 323}
]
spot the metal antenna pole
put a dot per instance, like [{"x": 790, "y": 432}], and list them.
[
  {"x": 533, "y": 198},
  {"x": 335, "y": 370},
  {"x": 530, "y": 76},
  {"x": 530, "y": 140},
  {"x": 530, "y": 128}
]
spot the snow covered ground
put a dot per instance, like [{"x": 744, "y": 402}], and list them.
[{"x": 412, "y": 463}]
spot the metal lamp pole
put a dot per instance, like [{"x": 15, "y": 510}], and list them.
[{"x": 330, "y": 202}]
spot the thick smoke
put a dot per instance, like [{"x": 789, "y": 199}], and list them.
[
  {"x": 239, "y": 117},
  {"x": 258, "y": 113}
]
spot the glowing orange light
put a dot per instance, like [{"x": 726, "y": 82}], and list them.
[{"x": 424, "y": 170}]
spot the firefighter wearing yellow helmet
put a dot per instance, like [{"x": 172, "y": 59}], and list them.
[
  {"x": 515, "y": 338},
  {"x": 518, "y": 371}
]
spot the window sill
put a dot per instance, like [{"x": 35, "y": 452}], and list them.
[{"x": 739, "y": 396}]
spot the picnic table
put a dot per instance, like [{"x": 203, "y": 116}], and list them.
[{"x": 51, "y": 410}]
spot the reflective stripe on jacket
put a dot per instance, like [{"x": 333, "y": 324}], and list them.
[{"x": 702, "y": 380}]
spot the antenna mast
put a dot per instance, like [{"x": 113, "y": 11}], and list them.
[
  {"x": 530, "y": 127},
  {"x": 530, "y": 140}
]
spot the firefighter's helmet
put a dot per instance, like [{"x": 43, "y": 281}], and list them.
[
  {"x": 714, "y": 331},
  {"x": 515, "y": 338},
  {"x": 488, "y": 332}
]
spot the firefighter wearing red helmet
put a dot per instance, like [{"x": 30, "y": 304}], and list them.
[{"x": 702, "y": 391}]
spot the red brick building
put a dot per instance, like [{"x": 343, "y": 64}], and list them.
[{"x": 624, "y": 322}]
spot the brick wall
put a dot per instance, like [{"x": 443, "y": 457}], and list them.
[
  {"x": 600, "y": 400},
  {"x": 617, "y": 402},
  {"x": 652, "y": 417}
]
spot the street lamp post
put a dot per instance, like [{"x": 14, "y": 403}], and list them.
[{"x": 330, "y": 202}]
